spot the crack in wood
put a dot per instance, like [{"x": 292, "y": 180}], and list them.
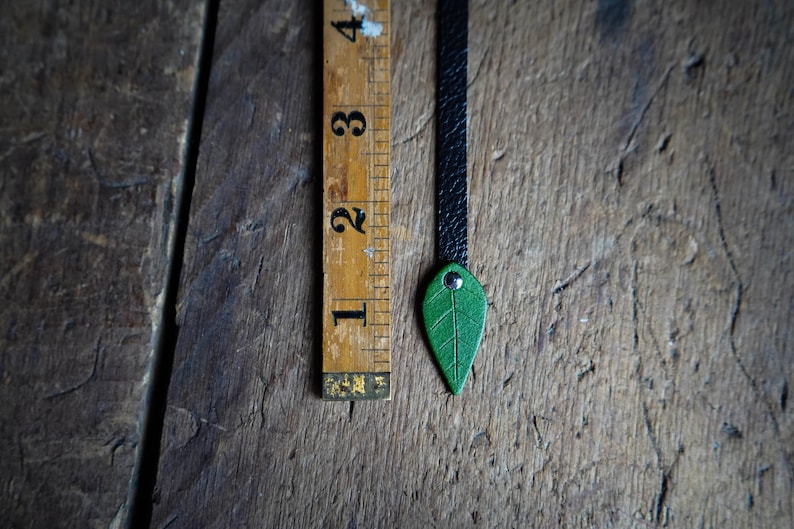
[
  {"x": 665, "y": 471},
  {"x": 737, "y": 304},
  {"x": 147, "y": 456}
]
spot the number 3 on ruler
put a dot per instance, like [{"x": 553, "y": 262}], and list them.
[{"x": 346, "y": 119}]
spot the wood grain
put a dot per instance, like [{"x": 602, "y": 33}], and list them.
[
  {"x": 630, "y": 219},
  {"x": 95, "y": 101}
]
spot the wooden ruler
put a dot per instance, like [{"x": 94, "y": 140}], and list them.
[{"x": 356, "y": 201}]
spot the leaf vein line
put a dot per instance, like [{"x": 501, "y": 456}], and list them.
[
  {"x": 455, "y": 335},
  {"x": 437, "y": 294},
  {"x": 458, "y": 340},
  {"x": 440, "y": 347},
  {"x": 472, "y": 293},
  {"x": 440, "y": 320},
  {"x": 470, "y": 318}
]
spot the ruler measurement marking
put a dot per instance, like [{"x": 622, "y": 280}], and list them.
[
  {"x": 361, "y": 202},
  {"x": 362, "y": 105},
  {"x": 356, "y": 103},
  {"x": 361, "y": 299}
]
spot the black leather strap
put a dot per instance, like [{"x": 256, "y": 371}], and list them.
[{"x": 452, "y": 197}]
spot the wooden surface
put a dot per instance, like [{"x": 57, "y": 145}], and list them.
[
  {"x": 630, "y": 219},
  {"x": 95, "y": 98}
]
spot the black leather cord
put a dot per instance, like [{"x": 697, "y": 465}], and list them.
[{"x": 451, "y": 193}]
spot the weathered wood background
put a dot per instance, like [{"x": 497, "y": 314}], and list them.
[
  {"x": 631, "y": 218},
  {"x": 95, "y": 99}
]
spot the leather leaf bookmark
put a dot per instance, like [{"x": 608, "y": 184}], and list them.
[
  {"x": 454, "y": 315},
  {"x": 454, "y": 305}
]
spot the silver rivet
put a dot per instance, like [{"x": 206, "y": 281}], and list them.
[{"x": 453, "y": 281}]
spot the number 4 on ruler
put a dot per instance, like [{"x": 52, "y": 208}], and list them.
[{"x": 351, "y": 24}]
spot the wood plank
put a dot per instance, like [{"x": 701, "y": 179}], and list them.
[
  {"x": 95, "y": 101},
  {"x": 631, "y": 201}
]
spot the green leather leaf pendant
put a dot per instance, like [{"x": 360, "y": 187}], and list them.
[{"x": 454, "y": 315}]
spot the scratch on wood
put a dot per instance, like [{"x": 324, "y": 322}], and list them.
[
  {"x": 737, "y": 304},
  {"x": 634, "y": 309},
  {"x": 760, "y": 478},
  {"x": 208, "y": 239},
  {"x": 647, "y": 106},
  {"x": 200, "y": 419},
  {"x": 663, "y": 142},
  {"x": 258, "y": 272},
  {"x": 538, "y": 437},
  {"x": 559, "y": 286},
  {"x": 419, "y": 129},
  {"x": 82, "y": 383},
  {"x": 589, "y": 369},
  {"x": 664, "y": 477},
  {"x": 118, "y": 443},
  {"x": 636, "y": 125},
  {"x": 649, "y": 430},
  {"x": 479, "y": 67},
  {"x": 21, "y": 265},
  {"x": 557, "y": 289},
  {"x": 114, "y": 185},
  {"x": 664, "y": 470},
  {"x": 265, "y": 387},
  {"x": 661, "y": 496},
  {"x": 694, "y": 60},
  {"x": 731, "y": 431}
]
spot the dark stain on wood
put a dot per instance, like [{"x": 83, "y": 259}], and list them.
[{"x": 611, "y": 18}]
